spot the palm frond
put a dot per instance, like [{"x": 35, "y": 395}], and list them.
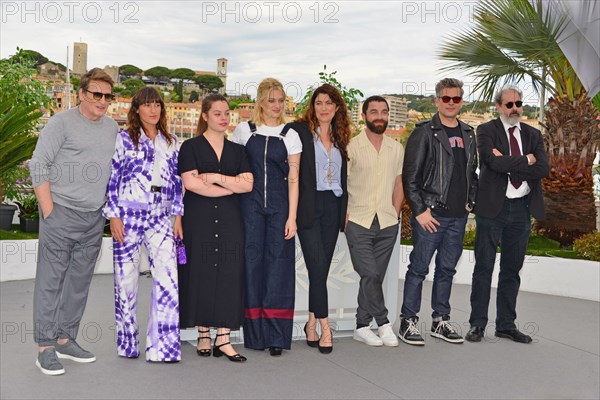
[
  {"x": 512, "y": 41},
  {"x": 17, "y": 140}
]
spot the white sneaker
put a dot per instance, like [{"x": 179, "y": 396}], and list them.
[
  {"x": 387, "y": 335},
  {"x": 367, "y": 336}
]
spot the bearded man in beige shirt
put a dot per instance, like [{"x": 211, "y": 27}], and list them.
[{"x": 375, "y": 196}]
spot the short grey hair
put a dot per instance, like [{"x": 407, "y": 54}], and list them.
[
  {"x": 448, "y": 83},
  {"x": 499, "y": 93}
]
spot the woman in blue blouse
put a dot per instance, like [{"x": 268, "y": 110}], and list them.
[{"x": 325, "y": 132}]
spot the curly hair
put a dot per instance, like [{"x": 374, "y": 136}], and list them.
[
  {"x": 134, "y": 124},
  {"x": 341, "y": 131}
]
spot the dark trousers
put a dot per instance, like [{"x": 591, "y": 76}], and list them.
[
  {"x": 318, "y": 245},
  {"x": 370, "y": 251},
  {"x": 448, "y": 242},
  {"x": 511, "y": 228}
]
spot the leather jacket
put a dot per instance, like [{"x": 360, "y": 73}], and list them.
[{"x": 428, "y": 163}]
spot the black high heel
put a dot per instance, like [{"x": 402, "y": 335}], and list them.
[
  {"x": 203, "y": 352},
  {"x": 311, "y": 343},
  {"x": 217, "y": 352},
  {"x": 326, "y": 349}
]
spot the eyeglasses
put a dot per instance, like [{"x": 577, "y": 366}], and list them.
[
  {"x": 518, "y": 103},
  {"x": 455, "y": 99},
  {"x": 98, "y": 95}
]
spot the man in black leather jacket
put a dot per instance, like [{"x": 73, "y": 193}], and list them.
[{"x": 440, "y": 183}]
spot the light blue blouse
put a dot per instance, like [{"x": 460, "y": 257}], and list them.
[{"x": 328, "y": 167}]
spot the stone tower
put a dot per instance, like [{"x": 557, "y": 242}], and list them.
[
  {"x": 80, "y": 51},
  {"x": 222, "y": 73}
]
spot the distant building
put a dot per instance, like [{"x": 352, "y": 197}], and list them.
[
  {"x": 246, "y": 106},
  {"x": 398, "y": 112},
  {"x": 397, "y": 134},
  {"x": 113, "y": 72},
  {"x": 222, "y": 73},
  {"x": 80, "y": 52},
  {"x": 355, "y": 113},
  {"x": 50, "y": 70}
]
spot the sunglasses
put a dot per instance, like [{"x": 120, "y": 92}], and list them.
[
  {"x": 98, "y": 95},
  {"x": 509, "y": 105},
  {"x": 455, "y": 99}
]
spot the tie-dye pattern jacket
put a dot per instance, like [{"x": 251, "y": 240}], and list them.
[{"x": 131, "y": 177}]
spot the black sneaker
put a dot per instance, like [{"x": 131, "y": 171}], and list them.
[
  {"x": 444, "y": 330},
  {"x": 409, "y": 332}
]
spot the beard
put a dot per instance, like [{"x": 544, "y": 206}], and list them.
[
  {"x": 512, "y": 119},
  {"x": 378, "y": 129}
]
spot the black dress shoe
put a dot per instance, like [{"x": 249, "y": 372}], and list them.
[
  {"x": 311, "y": 343},
  {"x": 515, "y": 335},
  {"x": 475, "y": 334},
  {"x": 275, "y": 351},
  {"x": 326, "y": 349}
]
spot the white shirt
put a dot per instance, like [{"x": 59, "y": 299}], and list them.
[
  {"x": 524, "y": 189},
  {"x": 292, "y": 142}
]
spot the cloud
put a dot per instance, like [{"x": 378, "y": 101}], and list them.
[{"x": 378, "y": 46}]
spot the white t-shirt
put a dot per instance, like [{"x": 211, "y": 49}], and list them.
[{"x": 292, "y": 142}]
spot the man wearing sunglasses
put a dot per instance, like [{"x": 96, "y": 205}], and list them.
[
  {"x": 513, "y": 163},
  {"x": 70, "y": 169},
  {"x": 440, "y": 182}
]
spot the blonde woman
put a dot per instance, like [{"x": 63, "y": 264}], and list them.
[{"x": 269, "y": 213}]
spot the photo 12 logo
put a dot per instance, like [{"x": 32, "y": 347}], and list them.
[
  {"x": 437, "y": 11},
  {"x": 269, "y": 11},
  {"x": 69, "y": 11}
]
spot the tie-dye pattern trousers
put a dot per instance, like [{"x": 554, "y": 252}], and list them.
[{"x": 153, "y": 229}]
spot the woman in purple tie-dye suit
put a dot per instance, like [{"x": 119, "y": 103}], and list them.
[{"x": 144, "y": 191}]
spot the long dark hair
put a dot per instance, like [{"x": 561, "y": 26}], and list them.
[
  {"x": 134, "y": 124},
  {"x": 207, "y": 103},
  {"x": 341, "y": 131}
]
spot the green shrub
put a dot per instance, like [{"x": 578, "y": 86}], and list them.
[
  {"x": 469, "y": 240},
  {"x": 588, "y": 246}
]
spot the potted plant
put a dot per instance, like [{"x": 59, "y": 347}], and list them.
[
  {"x": 29, "y": 215},
  {"x": 17, "y": 185}
]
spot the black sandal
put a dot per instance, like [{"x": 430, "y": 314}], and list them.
[
  {"x": 217, "y": 352},
  {"x": 203, "y": 352}
]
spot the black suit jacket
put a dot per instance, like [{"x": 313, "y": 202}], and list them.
[
  {"x": 308, "y": 181},
  {"x": 494, "y": 170}
]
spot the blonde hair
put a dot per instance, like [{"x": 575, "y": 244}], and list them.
[{"x": 262, "y": 94}]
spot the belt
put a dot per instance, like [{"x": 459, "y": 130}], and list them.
[{"x": 155, "y": 189}]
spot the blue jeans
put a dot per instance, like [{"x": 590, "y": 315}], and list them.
[
  {"x": 448, "y": 242},
  {"x": 511, "y": 228}
]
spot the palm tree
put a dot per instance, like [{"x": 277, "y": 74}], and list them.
[
  {"x": 17, "y": 140},
  {"x": 514, "y": 41}
]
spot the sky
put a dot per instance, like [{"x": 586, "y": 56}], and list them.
[{"x": 379, "y": 47}]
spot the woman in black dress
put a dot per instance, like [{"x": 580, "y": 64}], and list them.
[{"x": 211, "y": 285}]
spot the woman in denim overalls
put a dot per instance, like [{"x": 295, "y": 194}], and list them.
[{"x": 269, "y": 213}]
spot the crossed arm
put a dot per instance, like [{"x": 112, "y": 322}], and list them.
[
  {"x": 524, "y": 167},
  {"x": 217, "y": 185}
]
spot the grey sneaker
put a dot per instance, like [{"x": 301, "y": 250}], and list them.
[
  {"x": 72, "y": 351},
  {"x": 48, "y": 363}
]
